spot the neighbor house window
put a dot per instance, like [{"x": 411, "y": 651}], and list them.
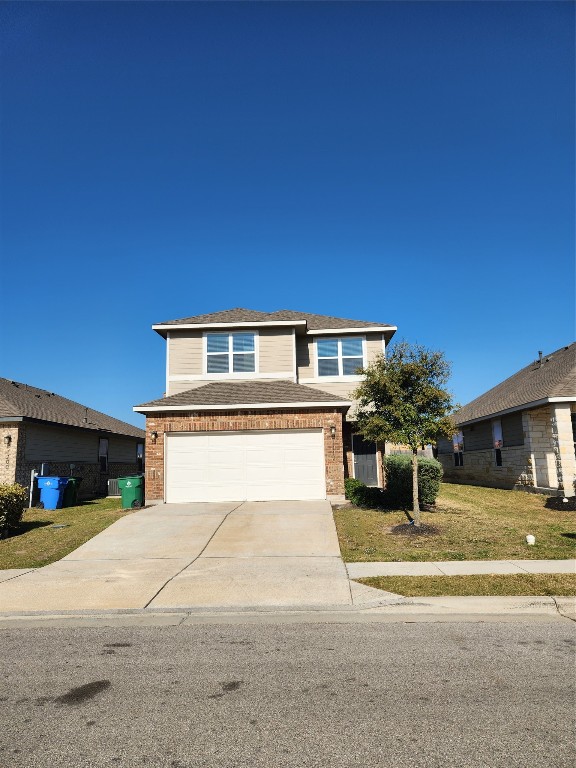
[
  {"x": 140, "y": 456},
  {"x": 230, "y": 353},
  {"x": 498, "y": 441},
  {"x": 458, "y": 443},
  {"x": 339, "y": 357},
  {"x": 103, "y": 454}
]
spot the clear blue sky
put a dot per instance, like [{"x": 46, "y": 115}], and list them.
[{"x": 410, "y": 163}]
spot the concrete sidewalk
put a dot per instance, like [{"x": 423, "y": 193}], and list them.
[{"x": 460, "y": 568}]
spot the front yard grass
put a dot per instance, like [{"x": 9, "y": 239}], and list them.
[
  {"x": 36, "y": 543},
  {"x": 473, "y": 524},
  {"x": 559, "y": 584}
]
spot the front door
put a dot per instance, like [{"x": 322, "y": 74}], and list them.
[{"x": 365, "y": 466}]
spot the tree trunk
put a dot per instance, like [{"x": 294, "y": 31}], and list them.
[{"x": 415, "y": 504}]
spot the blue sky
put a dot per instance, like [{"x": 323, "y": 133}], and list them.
[{"x": 409, "y": 163}]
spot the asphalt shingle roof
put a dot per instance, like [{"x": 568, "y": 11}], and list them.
[
  {"x": 240, "y": 315},
  {"x": 22, "y": 400},
  {"x": 555, "y": 377},
  {"x": 245, "y": 392}
]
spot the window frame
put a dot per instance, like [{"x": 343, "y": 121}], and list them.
[
  {"x": 103, "y": 442},
  {"x": 340, "y": 358},
  {"x": 458, "y": 448},
  {"x": 230, "y": 353},
  {"x": 497, "y": 442},
  {"x": 140, "y": 458}
]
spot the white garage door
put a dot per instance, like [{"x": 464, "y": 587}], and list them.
[{"x": 251, "y": 466}]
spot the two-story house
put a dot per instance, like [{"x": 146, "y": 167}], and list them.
[{"x": 257, "y": 407}]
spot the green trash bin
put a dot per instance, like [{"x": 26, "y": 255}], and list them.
[
  {"x": 132, "y": 490},
  {"x": 71, "y": 492}
]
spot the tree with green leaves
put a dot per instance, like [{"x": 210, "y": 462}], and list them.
[{"x": 403, "y": 399}]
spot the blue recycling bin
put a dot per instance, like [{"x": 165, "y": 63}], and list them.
[{"x": 52, "y": 491}]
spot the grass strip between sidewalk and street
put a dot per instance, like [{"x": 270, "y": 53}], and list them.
[
  {"x": 37, "y": 543},
  {"x": 529, "y": 584},
  {"x": 472, "y": 523}
]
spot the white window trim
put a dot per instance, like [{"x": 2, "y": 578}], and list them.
[
  {"x": 331, "y": 379},
  {"x": 103, "y": 442},
  {"x": 218, "y": 376},
  {"x": 167, "y": 362},
  {"x": 231, "y": 375},
  {"x": 341, "y": 376}
]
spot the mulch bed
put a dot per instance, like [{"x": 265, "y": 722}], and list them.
[
  {"x": 558, "y": 503},
  {"x": 411, "y": 530}
]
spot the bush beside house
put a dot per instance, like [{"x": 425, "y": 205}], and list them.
[
  {"x": 13, "y": 502},
  {"x": 398, "y": 491}
]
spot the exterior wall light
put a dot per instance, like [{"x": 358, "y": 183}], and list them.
[
  {"x": 154, "y": 436},
  {"x": 7, "y": 440},
  {"x": 332, "y": 431}
]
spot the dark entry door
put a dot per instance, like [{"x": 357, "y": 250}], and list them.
[{"x": 365, "y": 468}]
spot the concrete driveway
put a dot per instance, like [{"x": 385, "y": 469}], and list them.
[{"x": 227, "y": 555}]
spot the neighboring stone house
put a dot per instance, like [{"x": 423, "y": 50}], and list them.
[
  {"x": 39, "y": 427},
  {"x": 257, "y": 407},
  {"x": 522, "y": 433}
]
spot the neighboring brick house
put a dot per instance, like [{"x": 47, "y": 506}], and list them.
[
  {"x": 39, "y": 427},
  {"x": 522, "y": 433},
  {"x": 257, "y": 407}
]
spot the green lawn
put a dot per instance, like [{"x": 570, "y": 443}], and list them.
[
  {"x": 473, "y": 524},
  {"x": 37, "y": 543},
  {"x": 559, "y": 584}
]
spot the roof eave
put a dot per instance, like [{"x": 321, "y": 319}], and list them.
[
  {"x": 163, "y": 328},
  {"x": 51, "y": 423},
  {"x": 360, "y": 329},
  {"x": 243, "y": 406},
  {"x": 513, "y": 409}
]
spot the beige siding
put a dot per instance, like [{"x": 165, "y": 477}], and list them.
[
  {"x": 512, "y": 429},
  {"x": 175, "y": 387},
  {"x": 44, "y": 443},
  {"x": 305, "y": 357},
  {"x": 445, "y": 446},
  {"x": 341, "y": 389},
  {"x": 185, "y": 353},
  {"x": 374, "y": 346},
  {"x": 478, "y": 437},
  {"x": 122, "y": 449},
  {"x": 306, "y": 351},
  {"x": 276, "y": 351}
]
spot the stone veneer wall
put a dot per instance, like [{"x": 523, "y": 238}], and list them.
[
  {"x": 231, "y": 421},
  {"x": 563, "y": 444},
  {"x": 11, "y": 455},
  {"x": 480, "y": 468},
  {"x": 545, "y": 462}
]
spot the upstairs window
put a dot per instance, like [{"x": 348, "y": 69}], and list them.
[
  {"x": 339, "y": 357},
  {"x": 230, "y": 353}
]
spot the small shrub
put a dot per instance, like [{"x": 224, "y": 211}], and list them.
[
  {"x": 363, "y": 495},
  {"x": 13, "y": 502},
  {"x": 351, "y": 485},
  {"x": 398, "y": 469}
]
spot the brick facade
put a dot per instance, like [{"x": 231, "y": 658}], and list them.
[{"x": 232, "y": 421}]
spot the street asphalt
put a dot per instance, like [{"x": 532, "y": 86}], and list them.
[{"x": 243, "y": 695}]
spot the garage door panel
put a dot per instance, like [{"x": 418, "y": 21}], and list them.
[{"x": 255, "y": 466}]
